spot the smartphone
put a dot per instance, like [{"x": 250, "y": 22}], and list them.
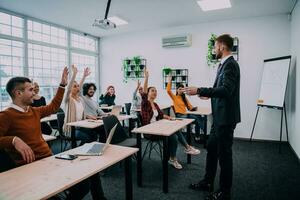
[{"x": 66, "y": 156}]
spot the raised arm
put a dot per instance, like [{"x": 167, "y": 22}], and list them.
[
  {"x": 86, "y": 73},
  {"x": 146, "y": 81},
  {"x": 169, "y": 87},
  {"x": 70, "y": 85},
  {"x": 136, "y": 89}
]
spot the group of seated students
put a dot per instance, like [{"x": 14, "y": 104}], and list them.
[
  {"x": 150, "y": 112},
  {"x": 21, "y": 130}
]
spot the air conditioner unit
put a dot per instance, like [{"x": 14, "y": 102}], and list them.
[{"x": 177, "y": 41}]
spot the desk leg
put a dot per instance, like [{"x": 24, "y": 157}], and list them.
[
  {"x": 188, "y": 138},
  {"x": 73, "y": 139},
  {"x": 128, "y": 178},
  {"x": 139, "y": 160},
  {"x": 165, "y": 164}
]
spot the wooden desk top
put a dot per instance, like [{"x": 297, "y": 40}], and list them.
[
  {"x": 89, "y": 123},
  {"x": 106, "y": 107},
  {"x": 49, "y": 176},
  {"x": 201, "y": 111},
  {"x": 163, "y": 127},
  {"x": 48, "y": 138},
  {"x": 49, "y": 118}
]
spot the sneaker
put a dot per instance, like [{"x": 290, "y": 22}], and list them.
[
  {"x": 192, "y": 151},
  {"x": 175, "y": 164},
  {"x": 202, "y": 185}
]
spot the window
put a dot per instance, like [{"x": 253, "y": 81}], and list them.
[
  {"x": 82, "y": 61},
  {"x": 46, "y": 33},
  {"x": 11, "y": 25},
  {"x": 83, "y": 42},
  {"x": 47, "y": 53},
  {"x": 45, "y": 65},
  {"x": 11, "y": 64}
]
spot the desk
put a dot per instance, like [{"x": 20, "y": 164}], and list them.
[
  {"x": 106, "y": 107},
  {"x": 48, "y": 138},
  {"x": 204, "y": 112},
  {"x": 88, "y": 123},
  {"x": 49, "y": 118},
  {"x": 49, "y": 176},
  {"x": 163, "y": 128}
]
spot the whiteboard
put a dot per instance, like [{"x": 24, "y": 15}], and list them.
[{"x": 274, "y": 81}]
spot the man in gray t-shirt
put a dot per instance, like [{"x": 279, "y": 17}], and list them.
[{"x": 90, "y": 105}]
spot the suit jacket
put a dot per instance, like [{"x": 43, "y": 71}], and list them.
[{"x": 225, "y": 94}]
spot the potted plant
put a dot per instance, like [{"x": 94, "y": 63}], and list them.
[
  {"x": 127, "y": 61},
  {"x": 137, "y": 60},
  {"x": 211, "y": 56},
  {"x": 167, "y": 70}
]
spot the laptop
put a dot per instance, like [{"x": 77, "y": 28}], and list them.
[
  {"x": 116, "y": 110},
  {"x": 94, "y": 148}
]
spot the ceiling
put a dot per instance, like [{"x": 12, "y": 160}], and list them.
[{"x": 141, "y": 14}]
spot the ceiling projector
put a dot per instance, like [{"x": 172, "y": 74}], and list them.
[{"x": 104, "y": 23}]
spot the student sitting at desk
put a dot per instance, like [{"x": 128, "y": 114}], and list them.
[
  {"x": 74, "y": 108},
  {"x": 37, "y": 102},
  {"x": 91, "y": 107},
  {"x": 136, "y": 99},
  {"x": 151, "y": 112},
  {"x": 20, "y": 130},
  {"x": 182, "y": 104},
  {"x": 109, "y": 97}
]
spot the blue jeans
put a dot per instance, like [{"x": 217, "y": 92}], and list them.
[
  {"x": 199, "y": 122},
  {"x": 173, "y": 142}
]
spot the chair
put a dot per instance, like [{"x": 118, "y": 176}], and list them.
[
  {"x": 62, "y": 136},
  {"x": 120, "y": 137},
  {"x": 127, "y": 108},
  {"x": 6, "y": 163},
  {"x": 54, "y": 124},
  {"x": 153, "y": 142}
]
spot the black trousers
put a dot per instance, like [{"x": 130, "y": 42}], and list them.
[
  {"x": 93, "y": 184},
  {"x": 219, "y": 149}
]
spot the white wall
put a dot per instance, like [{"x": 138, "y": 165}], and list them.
[
  {"x": 260, "y": 38},
  {"x": 293, "y": 95}
]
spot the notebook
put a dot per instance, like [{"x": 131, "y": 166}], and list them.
[{"x": 94, "y": 148}]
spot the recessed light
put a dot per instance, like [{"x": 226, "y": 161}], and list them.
[
  {"x": 117, "y": 20},
  {"x": 208, "y": 5}
]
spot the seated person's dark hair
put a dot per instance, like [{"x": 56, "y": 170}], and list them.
[
  {"x": 16, "y": 83},
  {"x": 86, "y": 87}
]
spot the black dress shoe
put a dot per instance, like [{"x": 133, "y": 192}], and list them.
[
  {"x": 218, "y": 196},
  {"x": 202, "y": 186}
]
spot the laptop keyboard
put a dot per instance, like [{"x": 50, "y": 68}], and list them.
[{"x": 95, "y": 148}]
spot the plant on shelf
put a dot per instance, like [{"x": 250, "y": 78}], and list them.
[
  {"x": 167, "y": 70},
  {"x": 137, "y": 60},
  {"x": 211, "y": 58}
]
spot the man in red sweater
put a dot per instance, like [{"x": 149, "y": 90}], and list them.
[{"x": 20, "y": 130}]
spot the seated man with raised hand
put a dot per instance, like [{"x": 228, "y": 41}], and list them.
[{"x": 20, "y": 130}]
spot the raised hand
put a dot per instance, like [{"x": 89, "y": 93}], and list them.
[
  {"x": 138, "y": 84},
  {"x": 24, "y": 150},
  {"x": 169, "y": 78},
  {"x": 146, "y": 73},
  {"x": 86, "y": 72},
  {"x": 74, "y": 69},
  {"x": 64, "y": 76}
]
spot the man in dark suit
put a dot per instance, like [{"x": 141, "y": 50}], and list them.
[{"x": 225, "y": 103}]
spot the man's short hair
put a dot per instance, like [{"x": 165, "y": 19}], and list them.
[
  {"x": 86, "y": 87},
  {"x": 227, "y": 40},
  {"x": 16, "y": 83}
]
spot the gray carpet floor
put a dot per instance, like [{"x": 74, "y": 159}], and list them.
[{"x": 260, "y": 173}]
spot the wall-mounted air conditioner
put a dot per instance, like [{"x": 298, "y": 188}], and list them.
[{"x": 177, "y": 41}]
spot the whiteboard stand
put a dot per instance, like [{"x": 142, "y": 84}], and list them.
[
  {"x": 283, "y": 110},
  {"x": 273, "y": 89}
]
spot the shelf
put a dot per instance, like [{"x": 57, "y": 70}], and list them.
[{"x": 179, "y": 76}]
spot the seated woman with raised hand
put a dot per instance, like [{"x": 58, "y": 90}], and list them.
[
  {"x": 109, "y": 97},
  {"x": 181, "y": 105},
  {"x": 74, "y": 108},
  {"x": 151, "y": 112},
  {"x": 37, "y": 102}
]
